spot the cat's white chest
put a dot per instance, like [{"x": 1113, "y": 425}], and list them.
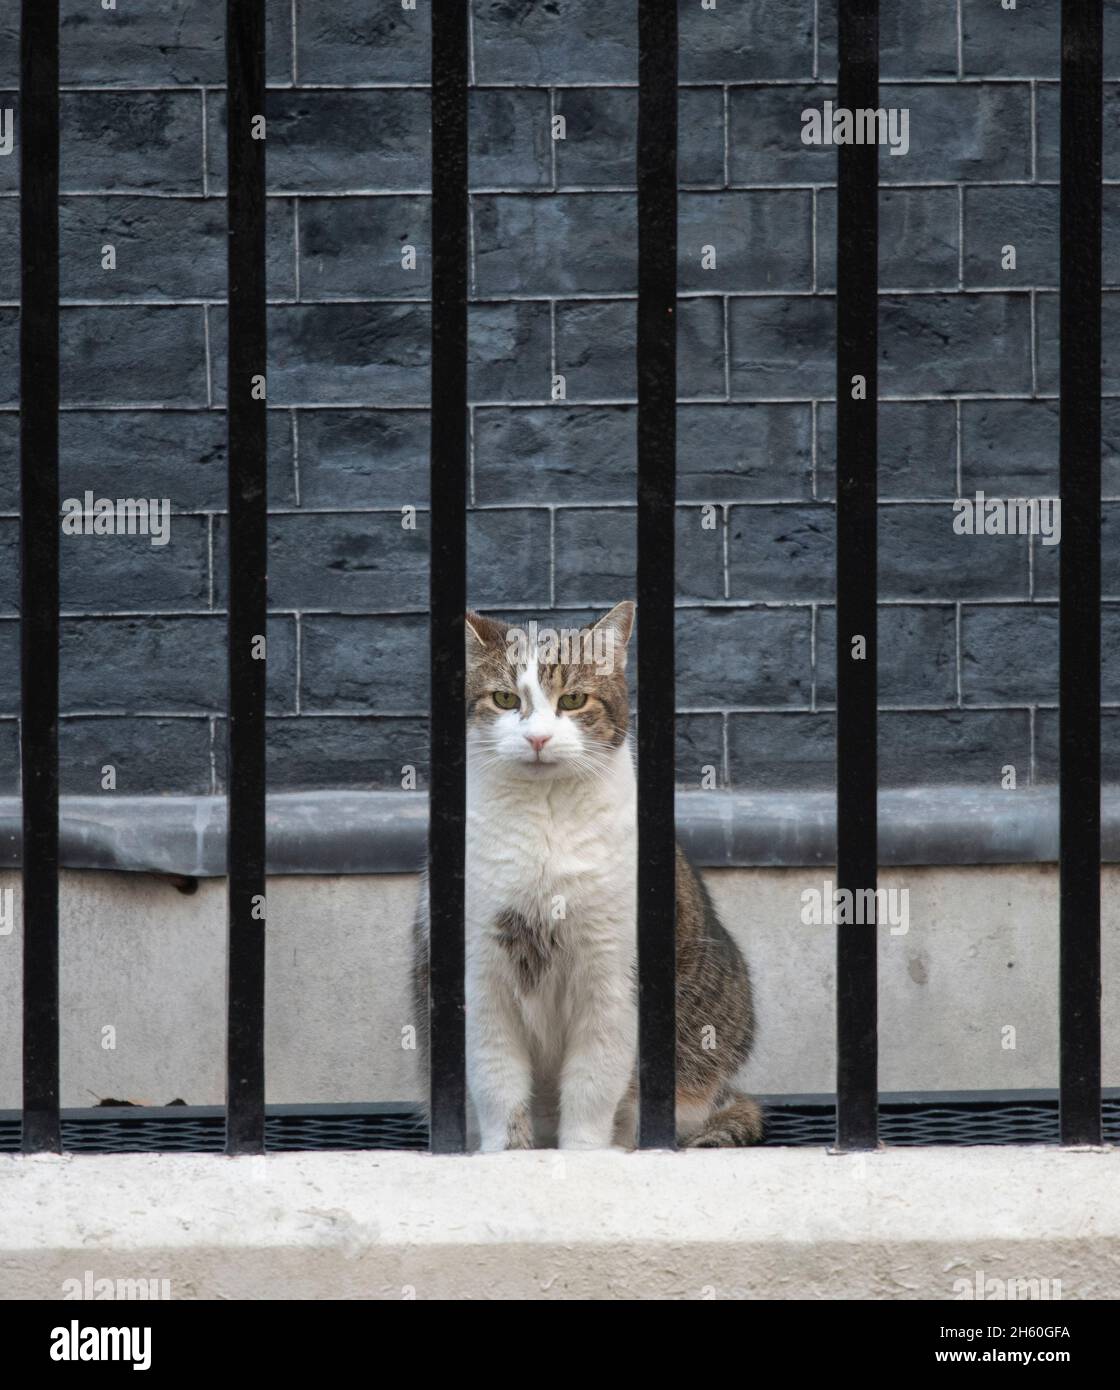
[{"x": 561, "y": 858}]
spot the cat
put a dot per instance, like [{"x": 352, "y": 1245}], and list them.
[{"x": 551, "y": 1011}]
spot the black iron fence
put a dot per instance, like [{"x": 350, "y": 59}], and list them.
[{"x": 857, "y": 1109}]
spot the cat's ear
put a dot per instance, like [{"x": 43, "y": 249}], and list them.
[
  {"x": 483, "y": 632},
  {"x": 619, "y": 623}
]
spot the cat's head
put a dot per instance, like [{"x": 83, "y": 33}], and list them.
[{"x": 547, "y": 702}]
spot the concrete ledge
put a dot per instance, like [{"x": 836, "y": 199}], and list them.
[
  {"x": 793, "y": 1223},
  {"x": 373, "y": 832}
]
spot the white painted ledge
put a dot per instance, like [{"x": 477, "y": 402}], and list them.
[{"x": 792, "y": 1223}]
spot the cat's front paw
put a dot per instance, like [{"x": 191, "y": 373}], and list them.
[
  {"x": 516, "y": 1133},
  {"x": 587, "y": 1140}
]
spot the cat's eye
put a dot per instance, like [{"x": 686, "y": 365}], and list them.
[
  {"x": 573, "y": 699},
  {"x": 505, "y": 699}
]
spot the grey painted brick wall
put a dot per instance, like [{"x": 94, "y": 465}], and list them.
[{"x": 968, "y": 378}]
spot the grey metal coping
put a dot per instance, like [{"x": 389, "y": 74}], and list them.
[{"x": 383, "y": 832}]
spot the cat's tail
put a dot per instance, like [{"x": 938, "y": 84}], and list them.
[{"x": 735, "y": 1121}]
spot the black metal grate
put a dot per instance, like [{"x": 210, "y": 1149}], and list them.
[
  {"x": 955, "y": 1119},
  {"x": 934, "y": 1119}
]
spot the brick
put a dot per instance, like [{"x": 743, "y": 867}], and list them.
[
  {"x": 782, "y": 752},
  {"x": 1047, "y": 557},
  {"x": 918, "y": 238},
  {"x": 334, "y": 141},
  {"x": 782, "y": 346},
  {"x": 151, "y": 756},
  {"x": 1010, "y": 655},
  {"x": 920, "y": 555},
  {"x": 1046, "y": 324},
  {"x": 700, "y": 349},
  {"x": 166, "y": 248},
  {"x": 1010, "y": 448},
  {"x": 596, "y": 555},
  {"x": 782, "y": 552},
  {"x": 9, "y": 757},
  {"x": 571, "y": 41},
  {"x": 1024, "y": 42},
  {"x": 947, "y": 747},
  {"x": 372, "y": 664},
  {"x": 762, "y": 241},
  {"x": 510, "y": 139},
  {"x": 122, "y": 142},
  {"x": 1110, "y": 251},
  {"x": 9, "y": 357},
  {"x": 1047, "y": 760},
  {"x": 9, "y": 565},
  {"x": 161, "y": 665},
  {"x": 700, "y": 136},
  {"x": 600, "y": 136},
  {"x": 917, "y": 449},
  {"x": 917, "y": 655},
  {"x": 1047, "y": 127},
  {"x": 349, "y": 354},
  {"x": 1026, "y": 218},
  {"x": 352, "y": 41},
  {"x": 751, "y": 40},
  {"x": 699, "y": 746},
  {"x": 9, "y": 246},
  {"x": 600, "y": 144},
  {"x": 363, "y": 458},
  {"x": 1048, "y": 130},
  {"x": 1047, "y": 340},
  {"x": 557, "y": 244},
  {"x": 1110, "y": 447},
  {"x": 351, "y": 247},
  {"x": 913, "y": 42},
  {"x": 358, "y": 562},
  {"x": 164, "y": 44},
  {"x": 935, "y": 343},
  {"x": 956, "y": 133},
  {"x": 508, "y": 557},
  {"x": 107, "y": 574},
  {"x": 743, "y": 656},
  {"x": 133, "y": 356},
  {"x": 764, "y": 135},
  {"x": 509, "y": 352},
  {"x": 964, "y": 133},
  {"x": 180, "y": 454},
  {"x": 349, "y": 561},
  {"x": 316, "y": 753},
  {"x": 555, "y": 453},
  {"x": 595, "y": 349},
  {"x": 734, "y": 453},
  {"x": 9, "y": 460},
  {"x": 9, "y": 669}
]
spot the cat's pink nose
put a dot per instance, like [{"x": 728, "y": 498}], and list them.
[{"x": 538, "y": 741}]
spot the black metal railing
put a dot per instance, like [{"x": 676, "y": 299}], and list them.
[
  {"x": 247, "y": 423},
  {"x": 856, "y": 357},
  {"x": 857, "y": 394},
  {"x": 1079, "y": 658}
]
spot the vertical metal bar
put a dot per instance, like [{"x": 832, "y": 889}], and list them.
[
  {"x": 39, "y": 551},
  {"x": 1080, "y": 566},
  {"x": 448, "y": 591},
  {"x": 857, "y": 279},
  {"x": 657, "y": 398},
  {"x": 248, "y": 583}
]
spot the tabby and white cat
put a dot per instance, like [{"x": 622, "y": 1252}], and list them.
[{"x": 551, "y": 1012}]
